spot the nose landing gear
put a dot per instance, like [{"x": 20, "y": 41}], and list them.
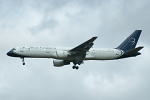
[{"x": 23, "y": 62}]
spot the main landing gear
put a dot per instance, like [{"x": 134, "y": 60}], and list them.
[
  {"x": 75, "y": 67},
  {"x": 75, "y": 63},
  {"x": 23, "y": 62}
]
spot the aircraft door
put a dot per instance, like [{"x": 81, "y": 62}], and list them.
[
  {"x": 53, "y": 52},
  {"x": 47, "y": 50},
  {"x": 118, "y": 53},
  {"x": 93, "y": 52},
  {"x": 22, "y": 49}
]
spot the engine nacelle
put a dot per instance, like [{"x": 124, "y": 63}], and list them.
[{"x": 59, "y": 63}]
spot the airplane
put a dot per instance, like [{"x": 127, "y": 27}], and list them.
[{"x": 80, "y": 53}]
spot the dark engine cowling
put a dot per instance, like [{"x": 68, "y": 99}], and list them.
[{"x": 59, "y": 63}]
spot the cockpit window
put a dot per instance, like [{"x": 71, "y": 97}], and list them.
[{"x": 13, "y": 49}]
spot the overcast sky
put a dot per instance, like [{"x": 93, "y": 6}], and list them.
[{"x": 67, "y": 23}]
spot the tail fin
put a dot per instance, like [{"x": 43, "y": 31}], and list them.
[{"x": 130, "y": 42}]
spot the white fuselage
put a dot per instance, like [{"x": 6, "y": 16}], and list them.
[
  {"x": 84, "y": 51},
  {"x": 62, "y": 53}
]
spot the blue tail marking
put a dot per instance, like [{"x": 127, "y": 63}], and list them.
[{"x": 130, "y": 42}]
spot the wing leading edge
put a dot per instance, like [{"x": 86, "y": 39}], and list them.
[{"x": 84, "y": 47}]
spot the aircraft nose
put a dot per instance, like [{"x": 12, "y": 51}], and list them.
[{"x": 10, "y": 53}]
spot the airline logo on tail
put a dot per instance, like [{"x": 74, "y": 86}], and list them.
[{"x": 132, "y": 40}]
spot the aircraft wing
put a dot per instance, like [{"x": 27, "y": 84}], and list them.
[{"x": 84, "y": 47}]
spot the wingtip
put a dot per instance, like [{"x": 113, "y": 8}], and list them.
[
  {"x": 95, "y": 37},
  {"x": 139, "y": 30},
  {"x": 141, "y": 47}
]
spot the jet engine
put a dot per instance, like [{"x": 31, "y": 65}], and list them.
[{"x": 59, "y": 63}]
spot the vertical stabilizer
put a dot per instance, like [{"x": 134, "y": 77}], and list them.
[{"x": 130, "y": 42}]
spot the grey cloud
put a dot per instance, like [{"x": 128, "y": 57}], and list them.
[
  {"x": 69, "y": 23},
  {"x": 49, "y": 24}
]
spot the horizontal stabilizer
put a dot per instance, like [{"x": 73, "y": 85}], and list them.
[{"x": 134, "y": 50}]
